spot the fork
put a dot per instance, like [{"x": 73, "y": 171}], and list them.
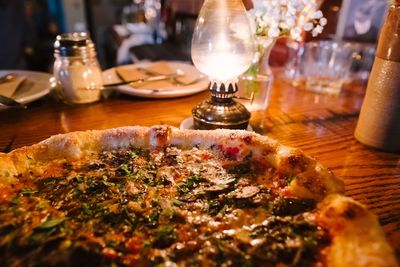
[
  {"x": 158, "y": 77},
  {"x": 9, "y": 102}
]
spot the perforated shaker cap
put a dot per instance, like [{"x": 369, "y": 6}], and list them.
[{"x": 74, "y": 44}]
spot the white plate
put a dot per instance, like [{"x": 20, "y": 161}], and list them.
[
  {"x": 110, "y": 76},
  {"x": 40, "y": 85}
]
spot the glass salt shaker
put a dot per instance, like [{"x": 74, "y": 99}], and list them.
[{"x": 76, "y": 69}]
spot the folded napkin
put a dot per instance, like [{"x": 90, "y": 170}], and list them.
[
  {"x": 128, "y": 73},
  {"x": 9, "y": 88}
]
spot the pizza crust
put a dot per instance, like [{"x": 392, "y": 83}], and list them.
[
  {"x": 309, "y": 178},
  {"x": 358, "y": 239}
]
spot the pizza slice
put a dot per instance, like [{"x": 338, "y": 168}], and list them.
[{"x": 159, "y": 196}]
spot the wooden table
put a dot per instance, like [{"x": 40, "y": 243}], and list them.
[{"x": 321, "y": 125}]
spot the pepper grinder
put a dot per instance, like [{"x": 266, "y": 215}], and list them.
[{"x": 379, "y": 122}]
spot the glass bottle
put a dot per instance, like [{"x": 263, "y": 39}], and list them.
[
  {"x": 379, "y": 122},
  {"x": 76, "y": 69}
]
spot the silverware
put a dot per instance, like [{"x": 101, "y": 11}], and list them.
[
  {"x": 23, "y": 87},
  {"x": 157, "y": 77},
  {"x": 7, "y": 78},
  {"x": 174, "y": 80},
  {"x": 9, "y": 102}
]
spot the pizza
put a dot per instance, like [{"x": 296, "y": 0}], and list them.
[{"x": 160, "y": 196}]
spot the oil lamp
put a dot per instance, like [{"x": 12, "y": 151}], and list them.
[{"x": 222, "y": 49}]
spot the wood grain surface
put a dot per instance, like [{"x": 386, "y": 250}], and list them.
[{"x": 322, "y": 126}]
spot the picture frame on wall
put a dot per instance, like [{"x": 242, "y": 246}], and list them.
[{"x": 361, "y": 20}]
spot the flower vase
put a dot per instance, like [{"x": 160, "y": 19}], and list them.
[
  {"x": 294, "y": 67},
  {"x": 256, "y": 83}
]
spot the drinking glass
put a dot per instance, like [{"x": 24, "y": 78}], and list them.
[
  {"x": 327, "y": 65},
  {"x": 363, "y": 58}
]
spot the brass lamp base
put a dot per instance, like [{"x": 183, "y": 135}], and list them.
[{"x": 221, "y": 112}]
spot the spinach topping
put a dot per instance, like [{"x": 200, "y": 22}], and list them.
[
  {"x": 138, "y": 207},
  {"x": 49, "y": 224},
  {"x": 165, "y": 236}
]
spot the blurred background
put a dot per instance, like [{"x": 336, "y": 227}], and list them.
[{"x": 127, "y": 31}]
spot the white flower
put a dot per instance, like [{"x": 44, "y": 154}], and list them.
[
  {"x": 313, "y": 5},
  {"x": 290, "y": 22},
  {"x": 295, "y": 33},
  {"x": 317, "y": 30},
  {"x": 274, "y": 32},
  {"x": 323, "y": 21},
  {"x": 291, "y": 10},
  {"x": 317, "y": 15},
  {"x": 276, "y": 18},
  {"x": 308, "y": 26}
]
